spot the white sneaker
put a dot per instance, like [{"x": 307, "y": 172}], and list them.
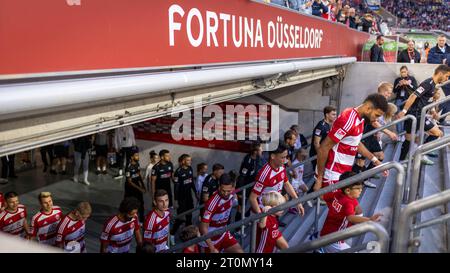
[
  {"x": 309, "y": 203},
  {"x": 369, "y": 184},
  {"x": 75, "y": 179},
  {"x": 3, "y": 180},
  {"x": 426, "y": 160},
  {"x": 85, "y": 182}
]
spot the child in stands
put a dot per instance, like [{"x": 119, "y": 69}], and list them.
[{"x": 344, "y": 211}]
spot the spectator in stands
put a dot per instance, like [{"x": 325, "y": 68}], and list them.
[
  {"x": 318, "y": 8},
  {"x": 440, "y": 53},
  {"x": 424, "y": 53},
  {"x": 61, "y": 150},
  {"x": 47, "y": 150},
  {"x": 268, "y": 237},
  {"x": 366, "y": 22},
  {"x": 290, "y": 138},
  {"x": 409, "y": 55},
  {"x": 189, "y": 233},
  {"x": 134, "y": 184},
  {"x": 101, "y": 151},
  {"x": 346, "y": 135},
  {"x": 162, "y": 174},
  {"x": 342, "y": 16},
  {"x": 404, "y": 86},
  {"x": 154, "y": 158},
  {"x": 124, "y": 140},
  {"x": 301, "y": 141},
  {"x": 352, "y": 20},
  {"x": 202, "y": 173},
  {"x": 250, "y": 166},
  {"x": 376, "y": 51},
  {"x": 211, "y": 183},
  {"x": 305, "y": 6},
  {"x": 344, "y": 211}
]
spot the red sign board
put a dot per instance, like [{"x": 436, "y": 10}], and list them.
[{"x": 80, "y": 35}]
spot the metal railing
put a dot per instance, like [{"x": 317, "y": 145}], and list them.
[
  {"x": 420, "y": 151},
  {"x": 425, "y": 109},
  {"x": 362, "y": 228},
  {"x": 294, "y": 202},
  {"x": 402, "y": 241}
]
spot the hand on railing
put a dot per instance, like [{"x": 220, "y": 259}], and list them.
[{"x": 376, "y": 217}]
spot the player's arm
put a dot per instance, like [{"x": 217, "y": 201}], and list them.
[
  {"x": 316, "y": 142},
  {"x": 205, "y": 192},
  {"x": 263, "y": 221},
  {"x": 354, "y": 219},
  {"x": 282, "y": 243},
  {"x": 33, "y": 230},
  {"x": 387, "y": 132},
  {"x": 103, "y": 246},
  {"x": 290, "y": 190},
  {"x": 367, "y": 154},
  {"x": 322, "y": 155},
  {"x": 153, "y": 184},
  {"x": 409, "y": 102},
  {"x": 138, "y": 237},
  {"x": 254, "y": 202},
  {"x": 176, "y": 185},
  {"x": 204, "y": 225},
  {"x": 26, "y": 227},
  {"x": 130, "y": 182}
]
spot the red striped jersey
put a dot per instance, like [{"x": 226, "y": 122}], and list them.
[
  {"x": 44, "y": 225},
  {"x": 339, "y": 207},
  {"x": 270, "y": 179},
  {"x": 217, "y": 211},
  {"x": 195, "y": 250},
  {"x": 347, "y": 132},
  {"x": 119, "y": 234},
  {"x": 13, "y": 222},
  {"x": 266, "y": 238},
  {"x": 2, "y": 201},
  {"x": 156, "y": 230},
  {"x": 71, "y": 234}
]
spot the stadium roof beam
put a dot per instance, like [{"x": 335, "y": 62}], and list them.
[{"x": 38, "y": 114}]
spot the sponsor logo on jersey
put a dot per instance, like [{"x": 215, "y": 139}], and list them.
[
  {"x": 420, "y": 90},
  {"x": 207, "y": 215},
  {"x": 318, "y": 132},
  {"x": 339, "y": 134},
  {"x": 275, "y": 233},
  {"x": 258, "y": 186}
]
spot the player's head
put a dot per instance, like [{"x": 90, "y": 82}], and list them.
[
  {"x": 278, "y": 156},
  {"x": 375, "y": 105},
  {"x": 441, "y": 73},
  {"x": 380, "y": 39},
  {"x": 404, "y": 71},
  {"x": 134, "y": 154},
  {"x": 273, "y": 199},
  {"x": 12, "y": 200},
  {"x": 46, "y": 201},
  {"x": 154, "y": 157},
  {"x": 226, "y": 185},
  {"x": 161, "y": 200},
  {"x": 83, "y": 211},
  {"x": 353, "y": 190},
  {"x": 202, "y": 168},
  {"x": 188, "y": 233},
  {"x": 256, "y": 149},
  {"x": 385, "y": 89},
  {"x": 218, "y": 170},
  {"x": 329, "y": 113},
  {"x": 164, "y": 155},
  {"x": 185, "y": 160},
  {"x": 128, "y": 208},
  {"x": 290, "y": 137},
  {"x": 441, "y": 40}
]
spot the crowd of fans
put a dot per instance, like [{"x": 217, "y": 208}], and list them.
[{"x": 420, "y": 14}]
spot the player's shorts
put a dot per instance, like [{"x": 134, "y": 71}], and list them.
[
  {"x": 372, "y": 144},
  {"x": 429, "y": 124},
  {"x": 101, "y": 150},
  {"x": 220, "y": 242}
]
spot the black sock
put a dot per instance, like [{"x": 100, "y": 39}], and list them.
[
  {"x": 405, "y": 148},
  {"x": 430, "y": 138}
]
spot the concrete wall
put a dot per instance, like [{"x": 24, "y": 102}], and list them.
[{"x": 362, "y": 78}]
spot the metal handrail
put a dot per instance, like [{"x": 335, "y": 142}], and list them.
[
  {"x": 294, "y": 202},
  {"x": 422, "y": 116},
  {"x": 413, "y": 126},
  {"x": 432, "y": 222},
  {"x": 421, "y": 150},
  {"x": 362, "y": 228},
  {"x": 402, "y": 239}
]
